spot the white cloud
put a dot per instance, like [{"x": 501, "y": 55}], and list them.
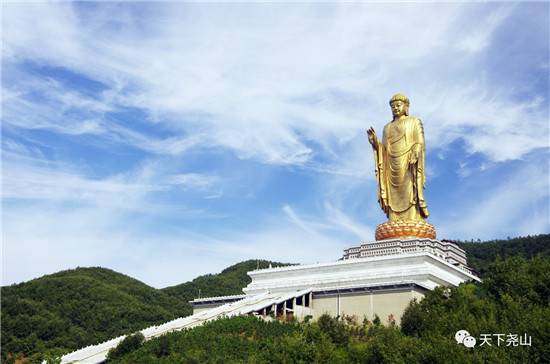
[
  {"x": 489, "y": 121},
  {"x": 516, "y": 205},
  {"x": 273, "y": 84},
  {"x": 194, "y": 180},
  {"x": 250, "y": 86},
  {"x": 97, "y": 237},
  {"x": 481, "y": 28},
  {"x": 34, "y": 179}
]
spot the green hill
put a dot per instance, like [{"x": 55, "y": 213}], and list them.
[
  {"x": 481, "y": 254},
  {"x": 75, "y": 308},
  {"x": 79, "y": 307}
]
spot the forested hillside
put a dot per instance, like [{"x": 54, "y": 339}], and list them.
[
  {"x": 84, "y": 306},
  {"x": 79, "y": 307},
  {"x": 480, "y": 254},
  {"x": 75, "y": 308}
]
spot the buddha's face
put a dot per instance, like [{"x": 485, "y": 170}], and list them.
[{"x": 398, "y": 108}]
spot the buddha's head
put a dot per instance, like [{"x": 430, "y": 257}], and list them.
[{"x": 399, "y": 104}]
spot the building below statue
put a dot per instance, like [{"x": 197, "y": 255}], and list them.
[
  {"x": 374, "y": 279},
  {"x": 446, "y": 249}
]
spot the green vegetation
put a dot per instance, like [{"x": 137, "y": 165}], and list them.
[
  {"x": 480, "y": 254},
  {"x": 49, "y": 316},
  {"x": 75, "y": 308},
  {"x": 68, "y": 310},
  {"x": 513, "y": 299},
  {"x": 127, "y": 345}
]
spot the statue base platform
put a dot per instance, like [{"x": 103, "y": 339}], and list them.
[{"x": 409, "y": 229}]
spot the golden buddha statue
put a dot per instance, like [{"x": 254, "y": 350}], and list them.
[{"x": 399, "y": 167}]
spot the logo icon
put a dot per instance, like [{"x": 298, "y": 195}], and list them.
[{"x": 463, "y": 337}]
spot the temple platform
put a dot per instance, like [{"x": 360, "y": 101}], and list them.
[{"x": 372, "y": 279}]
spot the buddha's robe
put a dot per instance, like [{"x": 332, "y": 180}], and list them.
[{"x": 401, "y": 183}]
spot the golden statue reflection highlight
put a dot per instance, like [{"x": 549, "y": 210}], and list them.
[{"x": 399, "y": 167}]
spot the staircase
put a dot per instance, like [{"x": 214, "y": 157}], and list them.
[{"x": 261, "y": 304}]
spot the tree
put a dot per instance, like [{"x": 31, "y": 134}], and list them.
[{"x": 126, "y": 346}]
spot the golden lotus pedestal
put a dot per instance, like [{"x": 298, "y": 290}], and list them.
[{"x": 405, "y": 230}]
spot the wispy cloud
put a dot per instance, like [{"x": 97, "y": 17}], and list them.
[
  {"x": 188, "y": 125},
  {"x": 225, "y": 87},
  {"x": 519, "y": 205}
]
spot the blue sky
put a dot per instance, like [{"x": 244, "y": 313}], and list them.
[{"x": 171, "y": 140}]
